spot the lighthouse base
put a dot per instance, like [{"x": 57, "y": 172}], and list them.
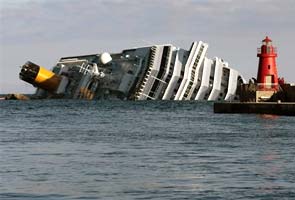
[{"x": 262, "y": 96}]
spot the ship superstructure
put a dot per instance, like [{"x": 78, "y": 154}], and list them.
[{"x": 159, "y": 72}]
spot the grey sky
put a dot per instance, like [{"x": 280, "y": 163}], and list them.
[{"x": 45, "y": 30}]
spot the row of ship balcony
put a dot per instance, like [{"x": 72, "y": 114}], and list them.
[{"x": 194, "y": 83}]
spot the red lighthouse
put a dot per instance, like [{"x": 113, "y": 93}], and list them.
[{"x": 267, "y": 77}]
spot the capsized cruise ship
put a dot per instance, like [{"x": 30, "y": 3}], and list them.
[{"x": 159, "y": 72}]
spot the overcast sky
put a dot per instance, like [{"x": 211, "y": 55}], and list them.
[{"x": 42, "y": 31}]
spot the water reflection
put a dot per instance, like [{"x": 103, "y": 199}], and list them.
[{"x": 268, "y": 116}]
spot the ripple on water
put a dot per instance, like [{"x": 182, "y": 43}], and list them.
[{"x": 67, "y": 149}]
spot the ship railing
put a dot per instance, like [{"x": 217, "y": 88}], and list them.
[
  {"x": 72, "y": 60},
  {"x": 86, "y": 69}
]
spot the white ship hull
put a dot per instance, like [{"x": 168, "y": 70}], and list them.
[{"x": 160, "y": 72}]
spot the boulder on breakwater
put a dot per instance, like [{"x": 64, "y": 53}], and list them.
[{"x": 16, "y": 97}]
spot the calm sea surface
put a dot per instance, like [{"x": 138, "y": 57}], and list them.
[{"x": 142, "y": 150}]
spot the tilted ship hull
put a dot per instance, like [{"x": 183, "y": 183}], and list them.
[{"x": 159, "y": 72}]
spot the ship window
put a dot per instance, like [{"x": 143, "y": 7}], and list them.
[
  {"x": 90, "y": 85},
  {"x": 268, "y": 66}
]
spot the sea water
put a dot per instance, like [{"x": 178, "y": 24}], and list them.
[{"x": 66, "y": 149}]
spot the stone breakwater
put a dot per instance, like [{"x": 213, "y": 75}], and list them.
[{"x": 274, "y": 108}]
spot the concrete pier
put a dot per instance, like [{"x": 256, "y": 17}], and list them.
[{"x": 283, "y": 108}]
